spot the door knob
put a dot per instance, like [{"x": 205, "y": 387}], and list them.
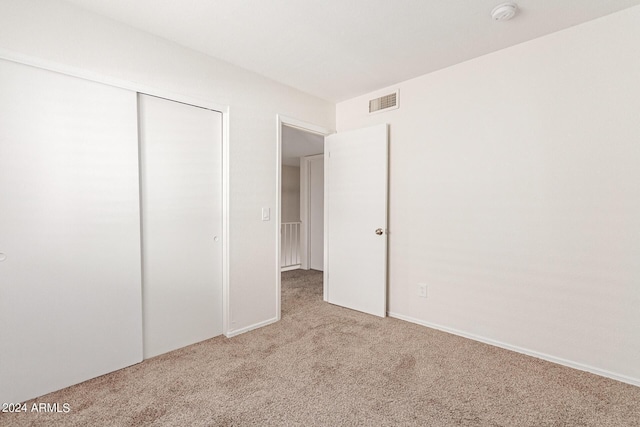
[{"x": 379, "y": 231}]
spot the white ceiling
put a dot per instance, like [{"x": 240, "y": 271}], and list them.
[
  {"x": 338, "y": 49},
  {"x": 297, "y": 143}
]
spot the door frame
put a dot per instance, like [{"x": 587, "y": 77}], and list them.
[
  {"x": 283, "y": 120},
  {"x": 305, "y": 204},
  {"x": 173, "y": 96}
]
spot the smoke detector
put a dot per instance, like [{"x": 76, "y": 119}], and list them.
[{"x": 504, "y": 11}]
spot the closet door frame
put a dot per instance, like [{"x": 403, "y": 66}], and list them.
[{"x": 161, "y": 93}]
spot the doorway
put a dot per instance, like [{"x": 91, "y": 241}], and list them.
[
  {"x": 300, "y": 198},
  {"x": 355, "y": 209}
]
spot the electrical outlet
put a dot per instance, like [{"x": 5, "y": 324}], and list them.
[{"x": 422, "y": 290}]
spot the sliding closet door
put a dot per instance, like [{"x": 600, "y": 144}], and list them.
[
  {"x": 181, "y": 167},
  {"x": 70, "y": 303}
]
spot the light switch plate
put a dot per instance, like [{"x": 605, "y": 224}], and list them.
[{"x": 266, "y": 214}]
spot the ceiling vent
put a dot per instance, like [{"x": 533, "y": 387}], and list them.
[{"x": 384, "y": 103}]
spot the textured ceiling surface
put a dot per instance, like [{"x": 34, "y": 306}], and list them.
[{"x": 338, "y": 49}]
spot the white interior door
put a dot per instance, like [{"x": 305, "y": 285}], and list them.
[
  {"x": 181, "y": 178},
  {"x": 356, "y": 171},
  {"x": 316, "y": 213},
  {"x": 70, "y": 304}
]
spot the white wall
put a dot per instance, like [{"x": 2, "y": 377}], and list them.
[
  {"x": 290, "y": 194},
  {"x": 58, "y": 32},
  {"x": 515, "y": 195}
]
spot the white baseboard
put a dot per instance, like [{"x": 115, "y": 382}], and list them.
[
  {"x": 236, "y": 332},
  {"x": 289, "y": 268},
  {"x": 543, "y": 356}
]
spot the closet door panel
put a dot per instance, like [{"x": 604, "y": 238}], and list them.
[
  {"x": 70, "y": 281},
  {"x": 181, "y": 171}
]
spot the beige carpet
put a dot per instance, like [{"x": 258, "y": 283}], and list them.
[{"x": 328, "y": 366}]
